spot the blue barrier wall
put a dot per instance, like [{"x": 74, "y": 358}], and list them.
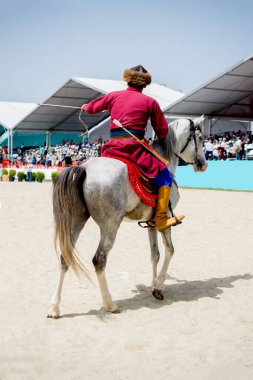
[{"x": 229, "y": 175}]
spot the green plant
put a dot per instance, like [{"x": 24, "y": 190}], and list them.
[
  {"x": 33, "y": 176},
  {"x": 54, "y": 175},
  {"x": 40, "y": 176},
  {"x": 4, "y": 172},
  {"x": 21, "y": 176},
  {"x": 12, "y": 174}
]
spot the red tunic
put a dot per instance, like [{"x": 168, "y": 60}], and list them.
[{"x": 133, "y": 109}]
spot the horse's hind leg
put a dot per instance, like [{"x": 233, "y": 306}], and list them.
[
  {"x": 169, "y": 250},
  {"x": 155, "y": 254},
  {"x": 107, "y": 240},
  {"x": 54, "y": 311}
]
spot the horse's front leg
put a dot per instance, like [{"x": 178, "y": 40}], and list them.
[
  {"x": 169, "y": 250},
  {"x": 155, "y": 254},
  {"x": 99, "y": 261}
]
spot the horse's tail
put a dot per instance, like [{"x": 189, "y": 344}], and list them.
[{"x": 69, "y": 209}]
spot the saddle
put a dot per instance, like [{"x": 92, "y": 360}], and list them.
[{"x": 141, "y": 184}]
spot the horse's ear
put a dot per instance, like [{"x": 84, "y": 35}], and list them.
[{"x": 199, "y": 120}]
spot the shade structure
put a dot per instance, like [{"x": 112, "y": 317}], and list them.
[
  {"x": 76, "y": 92},
  {"x": 229, "y": 95},
  {"x": 12, "y": 113}
]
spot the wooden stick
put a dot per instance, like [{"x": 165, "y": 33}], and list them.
[
  {"x": 146, "y": 146},
  {"x": 58, "y": 105},
  {"x": 61, "y": 106}
]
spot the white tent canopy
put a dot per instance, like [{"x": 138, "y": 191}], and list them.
[
  {"x": 12, "y": 113},
  {"x": 229, "y": 95},
  {"x": 162, "y": 94},
  {"x": 76, "y": 92}
]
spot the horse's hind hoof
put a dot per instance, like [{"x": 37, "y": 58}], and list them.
[
  {"x": 116, "y": 311},
  {"x": 54, "y": 312},
  {"x": 112, "y": 309},
  {"x": 157, "y": 294},
  {"x": 53, "y": 315}
]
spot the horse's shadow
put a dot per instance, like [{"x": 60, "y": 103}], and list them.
[{"x": 181, "y": 291}]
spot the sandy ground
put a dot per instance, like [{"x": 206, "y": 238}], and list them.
[{"x": 202, "y": 330}]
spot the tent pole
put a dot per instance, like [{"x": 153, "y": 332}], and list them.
[
  {"x": 9, "y": 133},
  {"x": 209, "y": 125},
  {"x": 47, "y": 139},
  {"x": 11, "y": 143}
]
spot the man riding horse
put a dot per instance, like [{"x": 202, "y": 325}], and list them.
[{"x": 133, "y": 109}]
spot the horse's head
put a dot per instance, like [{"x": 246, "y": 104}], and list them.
[{"x": 190, "y": 143}]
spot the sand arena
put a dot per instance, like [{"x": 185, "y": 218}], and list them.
[{"x": 202, "y": 330}]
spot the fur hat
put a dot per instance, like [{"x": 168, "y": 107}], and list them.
[{"x": 137, "y": 75}]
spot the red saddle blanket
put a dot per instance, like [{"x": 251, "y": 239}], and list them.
[{"x": 140, "y": 183}]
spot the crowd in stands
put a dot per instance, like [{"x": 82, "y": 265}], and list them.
[
  {"x": 230, "y": 146},
  {"x": 66, "y": 154}
]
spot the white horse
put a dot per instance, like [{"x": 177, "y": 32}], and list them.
[{"x": 101, "y": 189}]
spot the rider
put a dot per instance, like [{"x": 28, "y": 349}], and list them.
[{"x": 133, "y": 109}]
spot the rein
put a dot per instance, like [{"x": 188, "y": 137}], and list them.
[{"x": 192, "y": 135}]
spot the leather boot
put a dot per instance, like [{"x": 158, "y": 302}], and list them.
[{"x": 161, "y": 219}]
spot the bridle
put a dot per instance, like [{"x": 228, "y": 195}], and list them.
[{"x": 192, "y": 135}]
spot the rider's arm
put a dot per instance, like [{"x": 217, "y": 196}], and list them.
[
  {"x": 158, "y": 121},
  {"x": 98, "y": 105}
]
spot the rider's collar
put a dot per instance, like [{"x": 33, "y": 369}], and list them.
[{"x": 133, "y": 89}]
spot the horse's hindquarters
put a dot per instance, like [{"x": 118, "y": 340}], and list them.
[{"x": 105, "y": 190}]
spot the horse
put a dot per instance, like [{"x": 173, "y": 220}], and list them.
[{"x": 101, "y": 189}]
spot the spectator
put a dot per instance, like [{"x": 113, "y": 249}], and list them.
[
  {"x": 222, "y": 149},
  {"x": 209, "y": 150},
  {"x": 216, "y": 156},
  {"x": 242, "y": 152},
  {"x": 67, "y": 160},
  {"x": 29, "y": 173},
  {"x": 238, "y": 147}
]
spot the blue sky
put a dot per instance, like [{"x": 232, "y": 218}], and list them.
[{"x": 182, "y": 43}]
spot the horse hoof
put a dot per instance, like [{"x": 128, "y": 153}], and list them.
[
  {"x": 113, "y": 309},
  {"x": 157, "y": 294},
  {"x": 116, "y": 311},
  {"x": 54, "y": 313}
]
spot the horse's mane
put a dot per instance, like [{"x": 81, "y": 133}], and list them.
[
  {"x": 168, "y": 150},
  {"x": 171, "y": 141}
]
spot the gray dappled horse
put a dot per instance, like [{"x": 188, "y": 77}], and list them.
[{"x": 101, "y": 189}]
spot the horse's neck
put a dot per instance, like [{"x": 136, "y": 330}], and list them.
[
  {"x": 173, "y": 162},
  {"x": 172, "y": 142}
]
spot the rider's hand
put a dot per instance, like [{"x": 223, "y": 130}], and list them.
[{"x": 82, "y": 107}]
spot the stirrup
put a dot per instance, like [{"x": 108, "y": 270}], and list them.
[
  {"x": 147, "y": 224},
  {"x": 174, "y": 216},
  {"x": 177, "y": 221},
  {"x": 169, "y": 223}
]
